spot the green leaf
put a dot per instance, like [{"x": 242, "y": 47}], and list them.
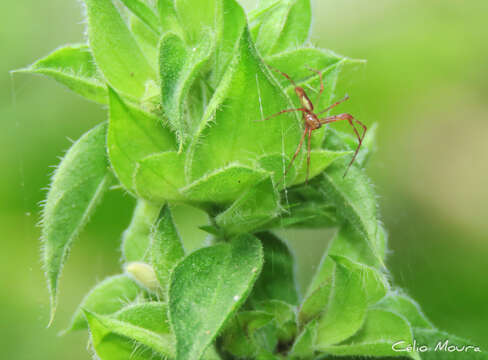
[
  {"x": 281, "y": 25},
  {"x": 349, "y": 243},
  {"x": 145, "y": 13},
  {"x": 346, "y": 308},
  {"x": 152, "y": 316},
  {"x": 120, "y": 340},
  {"x": 380, "y": 331},
  {"x": 439, "y": 343},
  {"x": 76, "y": 188},
  {"x": 296, "y": 28},
  {"x": 230, "y": 131},
  {"x": 403, "y": 305},
  {"x": 147, "y": 40},
  {"x": 328, "y": 296},
  {"x": 168, "y": 17},
  {"x": 303, "y": 347},
  {"x": 107, "y": 297},
  {"x": 179, "y": 67},
  {"x": 355, "y": 201},
  {"x": 232, "y": 24},
  {"x": 136, "y": 238},
  {"x": 277, "y": 280},
  {"x": 159, "y": 177},
  {"x": 133, "y": 135},
  {"x": 276, "y": 165},
  {"x": 319, "y": 161},
  {"x": 257, "y": 206},
  {"x": 198, "y": 16},
  {"x": 74, "y": 67},
  {"x": 167, "y": 248},
  {"x": 284, "y": 315},
  {"x": 223, "y": 185},
  {"x": 207, "y": 288},
  {"x": 115, "y": 50},
  {"x": 249, "y": 333}
]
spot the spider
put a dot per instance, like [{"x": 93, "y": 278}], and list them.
[{"x": 312, "y": 121}]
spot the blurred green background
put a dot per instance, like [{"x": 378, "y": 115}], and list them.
[{"x": 426, "y": 83}]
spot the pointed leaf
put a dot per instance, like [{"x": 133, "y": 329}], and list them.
[
  {"x": 198, "y": 16},
  {"x": 74, "y": 67},
  {"x": 380, "y": 331},
  {"x": 167, "y": 248},
  {"x": 136, "y": 240},
  {"x": 115, "y": 50},
  {"x": 152, "y": 316},
  {"x": 107, "y": 297},
  {"x": 284, "y": 316},
  {"x": 249, "y": 333},
  {"x": 147, "y": 40},
  {"x": 277, "y": 280},
  {"x": 207, "y": 288},
  {"x": 133, "y": 135},
  {"x": 179, "y": 67},
  {"x": 168, "y": 17},
  {"x": 223, "y": 185},
  {"x": 257, "y": 206},
  {"x": 403, "y": 305},
  {"x": 355, "y": 201},
  {"x": 346, "y": 308},
  {"x": 230, "y": 131},
  {"x": 159, "y": 177},
  {"x": 296, "y": 28},
  {"x": 303, "y": 347},
  {"x": 76, "y": 188},
  {"x": 145, "y": 13},
  {"x": 120, "y": 340}
]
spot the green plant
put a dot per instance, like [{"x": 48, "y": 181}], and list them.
[{"x": 185, "y": 82}]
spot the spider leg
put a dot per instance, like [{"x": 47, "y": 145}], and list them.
[
  {"x": 350, "y": 119},
  {"x": 308, "y": 154},
  {"x": 297, "y": 150},
  {"x": 335, "y": 104},
  {"x": 279, "y": 113},
  {"x": 322, "y": 86},
  {"x": 284, "y": 74}
]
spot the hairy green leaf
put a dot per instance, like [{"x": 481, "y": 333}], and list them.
[
  {"x": 380, "y": 331},
  {"x": 257, "y": 206},
  {"x": 198, "y": 16},
  {"x": 230, "y": 131},
  {"x": 179, "y": 66},
  {"x": 403, "y": 305},
  {"x": 223, "y": 185},
  {"x": 136, "y": 238},
  {"x": 303, "y": 347},
  {"x": 281, "y": 25},
  {"x": 355, "y": 201},
  {"x": 147, "y": 40},
  {"x": 346, "y": 307},
  {"x": 168, "y": 17},
  {"x": 206, "y": 289},
  {"x": 107, "y": 297},
  {"x": 159, "y": 177},
  {"x": 145, "y": 13},
  {"x": 152, "y": 316},
  {"x": 277, "y": 280},
  {"x": 232, "y": 24},
  {"x": 133, "y": 135},
  {"x": 284, "y": 315},
  {"x": 74, "y": 67},
  {"x": 250, "y": 334},
  {"x": 114, "y": 339},
  {"x": 115, "y": 50},
  {"x": 167, "y": 249},
  {"x": 76, "y": 188}
]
